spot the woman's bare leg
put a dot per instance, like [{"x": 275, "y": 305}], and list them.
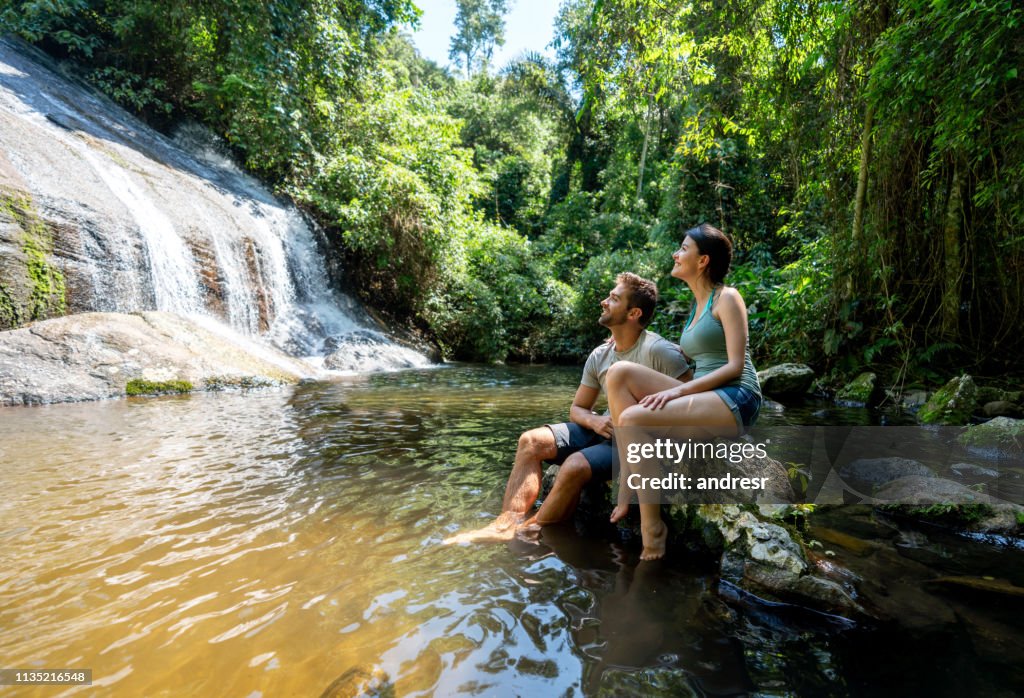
[
  {"x": 627, "y": 382},
  {"x": 702, "y": 410}
]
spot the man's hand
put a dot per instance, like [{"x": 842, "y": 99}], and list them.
[{"x": 602, "y": 424}]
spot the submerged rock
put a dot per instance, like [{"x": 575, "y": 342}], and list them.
[
  {"x": 92, "y": 356},
  {"x": 360, "y": 682},
  {"x": 786, "y": 379},
  {"x": 953, "y": 403}
]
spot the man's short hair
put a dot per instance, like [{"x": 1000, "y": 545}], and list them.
[{"x": 643, "y": 294}]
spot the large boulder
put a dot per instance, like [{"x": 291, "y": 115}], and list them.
[
  {"x": 1002, "y": 432},
  {"x": 786, "y": 379},
  {"x": 865, "y": 474},
  {"x": 953, "y": 403},
  {"x": 942, "y": 501},
  {"x": 92, "y": 356},
  {"x": 765, "y": 559}
]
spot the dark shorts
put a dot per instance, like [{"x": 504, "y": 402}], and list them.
[
  {"x": 744, "y": 404},
  {"x": 572, "y": 438}
]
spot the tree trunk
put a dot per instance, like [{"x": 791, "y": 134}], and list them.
[
  {"x": 862, "y": 187},
  {"x": 643, "y": 152},
  {"x": 953, "y": 262}
]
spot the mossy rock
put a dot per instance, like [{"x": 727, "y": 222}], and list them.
[
  {"x": 786, "y": 379},
  {"x": 137, "y": 386},
  {"x": 859, "y": 390},
  {"x": 953, "y": 403},
  {"x": 958, "y": 515},
  {"x": 218, "y": 383},
  {"x": 987, "y": 393},
  {"x": 1002, "y": 432}
]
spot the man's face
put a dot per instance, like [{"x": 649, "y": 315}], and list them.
[{"x": 615, "y": 308}]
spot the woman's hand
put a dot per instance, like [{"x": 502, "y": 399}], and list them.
[{"x": 655, "y": 401}]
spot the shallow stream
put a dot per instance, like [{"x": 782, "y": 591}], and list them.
[{"x": 287, "y": 542}]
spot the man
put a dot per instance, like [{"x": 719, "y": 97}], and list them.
[{"x": 582, "y": 446}]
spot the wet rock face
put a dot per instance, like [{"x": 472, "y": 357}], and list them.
[
  {"x": 368, "y": 350},
  {"x": 98, "y": 212},
  {"x": 786, "y": 379},
  {"x": 91, "y": 356}
]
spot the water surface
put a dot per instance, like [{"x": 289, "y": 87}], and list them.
[{"x": 269, "y": 543}]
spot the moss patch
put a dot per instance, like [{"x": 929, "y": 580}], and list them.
[
  {"x": 944, "y": 513},
  {"x": 47, "y": 295},
  {"x": 238, "y": 383},
  {"x": 137, "y": 386}
]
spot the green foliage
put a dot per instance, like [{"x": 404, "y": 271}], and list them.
[
  {"x": 479, "y": 27},
  {"x": 866, "y": 159}
]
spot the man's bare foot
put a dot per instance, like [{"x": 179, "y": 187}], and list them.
[
  {"x": 619, "y": 512},
  {"x": 529, "y": 530},
  {"x": 501, "y": 529},
  {"x": 655, "y": 536}
]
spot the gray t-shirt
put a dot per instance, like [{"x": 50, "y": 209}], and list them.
[{"x": 651, "y": 350}]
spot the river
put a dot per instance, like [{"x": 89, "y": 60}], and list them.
[{"x": 268, "y": 543}]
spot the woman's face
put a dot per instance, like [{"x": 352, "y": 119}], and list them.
[{"x": 689, "y": 262}]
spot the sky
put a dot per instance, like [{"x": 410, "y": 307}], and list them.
[{"x": 529, "y": 26}]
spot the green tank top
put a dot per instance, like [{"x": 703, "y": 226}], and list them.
[{"x": 704, "y": 343}]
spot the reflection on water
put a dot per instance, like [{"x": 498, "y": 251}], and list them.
[{"x": 270, "y": 543}]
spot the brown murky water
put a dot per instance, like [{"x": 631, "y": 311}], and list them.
[{"x": 267, "y": 544}]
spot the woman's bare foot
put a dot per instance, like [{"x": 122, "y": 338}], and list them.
[
  {"x": 619, "y": 512},
  {"x": 655, "y": 536}
]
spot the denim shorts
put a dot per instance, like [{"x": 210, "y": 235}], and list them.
[
  {"x": 572, "y": 438},
  {"x": 743, "y": 403}
]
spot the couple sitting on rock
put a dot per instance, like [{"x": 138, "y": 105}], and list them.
[{"x": 649, "y": 381}]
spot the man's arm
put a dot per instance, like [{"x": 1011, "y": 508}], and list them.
[{"x": 581, "y": 413}]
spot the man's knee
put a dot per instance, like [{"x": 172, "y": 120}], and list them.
[
  {"x": 538, "y": 443},
  {"x": 574, "y": 472}
]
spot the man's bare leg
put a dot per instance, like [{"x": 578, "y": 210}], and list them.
[
  {"x": 564, "y": 495},
  {"x": 522, "y": 490}
]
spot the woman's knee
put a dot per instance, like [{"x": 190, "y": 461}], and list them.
[
  {"x": 636, "y": 415},
  {"x": 619, "y": 372}
]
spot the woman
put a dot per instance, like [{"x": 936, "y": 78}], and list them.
[{"x": 723, "y": 395}]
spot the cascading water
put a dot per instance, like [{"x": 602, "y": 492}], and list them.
[{"x": 143, "y": 223}]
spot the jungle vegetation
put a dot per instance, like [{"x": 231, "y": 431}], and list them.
[{"x": 867, "y": 157}]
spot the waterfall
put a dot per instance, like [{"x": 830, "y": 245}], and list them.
[{"x": 145, "y": 222}]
